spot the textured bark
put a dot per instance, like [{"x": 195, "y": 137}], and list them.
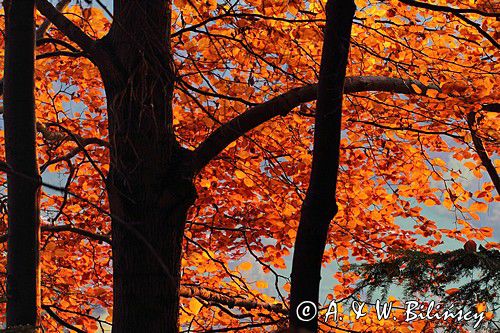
[
  {"x": 146, "y": 284},
  {"x": 220, "y": 298},
  {"x": 149, "y": 184},
  {"x": 319, "y": 206},
  {"x": 23, "y": 180}
]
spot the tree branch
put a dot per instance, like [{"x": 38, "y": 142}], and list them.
[
  {"x": 59, "y": 320},
  {"x": 283, "y": 104},
  {"x": 447, "y": 9},
  {"x": 59, "y": 54},
  {"x": 479, "y": 29},
  {"x": 69, "y": 228},
  {"x": 75, "y": 151},
  {"x": 55, "y": 42},
  {"x": 42, "y": 29},
  {"x": 493, "y": 107},
  {"x": 458, "y": 12},
  {"x": 400, "y": 128},
  {"x": 481, "y": 151},
  {"x": 73, "y": 32},
  {"x": 215, "y": 297}
]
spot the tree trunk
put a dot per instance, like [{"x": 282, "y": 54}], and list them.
[
  {"x": 319, "y": 206},
  {"x": 23, "y": 180},
  {"x": 146, "y": 263},
  {"x": 150, "y": 183}
]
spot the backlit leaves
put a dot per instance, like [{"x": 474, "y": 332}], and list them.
[{"x": 409, "y": 175}]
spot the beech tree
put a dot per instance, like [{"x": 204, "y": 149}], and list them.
[
  {"x": 320, "y": 206},
  {"x": 21, "y": 161},
  {"x": 182, "y": 136}
]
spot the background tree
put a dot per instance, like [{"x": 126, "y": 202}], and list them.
[
  {"x": 242, "y": 77},
  {"x": 320, "y": 206},
  {"x": 23, "y": 289}
]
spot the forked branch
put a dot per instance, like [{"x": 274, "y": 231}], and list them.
[
  {"x": 71, "y": 30},
  {"x": 284, "y": 103}
]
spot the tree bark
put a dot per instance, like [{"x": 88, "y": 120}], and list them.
[
  {"x": 23, "y": 180},
  {"x": 150, "y": 185},
  {"x": 319, "y": 206},
  {"x": 481, "y": 151}
]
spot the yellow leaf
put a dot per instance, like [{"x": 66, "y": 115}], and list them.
[
  {"x": 289, "y": 210},
  {"x": 209, "y": 122},
  {"x": 245, "y": 266},
  {"x": 194, "y": 306},
  {"x": 419, "y": 325},
  {"x": 240, "y": 174},
  {"x": 248, "y": 182},
  {"x": 447, "y": 203},
  {"x": 416, "y": 88},
  {"x": 50, "y": 246},
  {"x": 487, "y": 231},
  {"x": 477, "y": 173},
  {"x": 262, "y": 284},
  {"x": 429, "y": 202},
  {"x": 60, "y": 253},
  {"x": 432, "y": 93},
  {"x": 470, "y": 165},
  {"x": 342, "y": 251},
  {"x": 99, "y": 291},
  {"x": 439, "y": 162},
  {"x": 478, "y": 207}
]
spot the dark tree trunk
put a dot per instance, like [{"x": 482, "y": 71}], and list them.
[
  {"x": 23, "y": 180},
  {"x": 319, "y": 206},
  {"x": 150, "y": 184},
  {"x": 147, "y": 275}
]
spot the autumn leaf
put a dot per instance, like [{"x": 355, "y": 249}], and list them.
[
  {"x": 245, "y": 266},
  {"x": 195, "y": 306},
  {"x": 261, "y": 284}
]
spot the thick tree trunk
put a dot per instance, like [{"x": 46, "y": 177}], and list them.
[
  {"x": 319, "y": 206},
  {"x": 146, "y": 263},
  {"x": 23, "y": 180},
  {"x": 150, "y": 184}
]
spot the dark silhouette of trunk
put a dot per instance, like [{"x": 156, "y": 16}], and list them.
[
  {"x": 320, "y": 206},
  {"x": 23, "y": 179},
  {"x": 150, "y": 184}
]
